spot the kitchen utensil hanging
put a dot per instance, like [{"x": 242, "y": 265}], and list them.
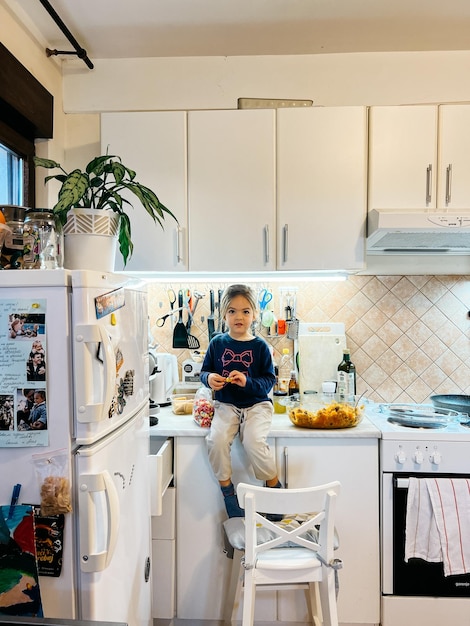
[
  {"x": 172, "y": 299},
  {"x": 210, "y": 318},
  {"x": 180, "y": 334},
  {"x": 161, "y": 320}
]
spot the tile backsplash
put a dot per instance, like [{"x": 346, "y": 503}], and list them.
[{"x": 409, "y": 336}]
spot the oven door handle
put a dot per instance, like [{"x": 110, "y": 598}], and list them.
[{"x": 402, "y": 483}]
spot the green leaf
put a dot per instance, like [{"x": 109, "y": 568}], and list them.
[
  {"x": 48, "y": 163},
  {"x": 96, "y": 166},
  {"x": 118, "y": 171},
  {"x": 125, "y": 242},
  {"x": 72, "y": 191}
]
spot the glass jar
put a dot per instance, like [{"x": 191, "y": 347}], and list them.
[
  {"x": 41, "y": 240},
  {"x": 278, "y": 397},
  {"x": 12, "y": 251}
]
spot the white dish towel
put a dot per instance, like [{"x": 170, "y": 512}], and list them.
[{"x": 438, "y": 522}]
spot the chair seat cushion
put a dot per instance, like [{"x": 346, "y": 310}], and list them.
[
  {"x": 293, "y": 558},
  {"x": 234, "y": 528}
]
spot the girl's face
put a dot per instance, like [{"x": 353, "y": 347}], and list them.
[{"x": 239, "y": 317}]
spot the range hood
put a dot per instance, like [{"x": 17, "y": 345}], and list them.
[{"x": 418, "y": 232}]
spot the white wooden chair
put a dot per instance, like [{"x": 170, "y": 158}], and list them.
[{"x": 276, "y": 556}]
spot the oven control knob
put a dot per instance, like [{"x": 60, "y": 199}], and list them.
[
  {"x": 435, "y": 457},
  {"x": 418, "y": 457},
  {"x": 400, "y": 456}
]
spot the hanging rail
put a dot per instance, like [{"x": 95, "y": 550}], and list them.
[{"x": 79, "y": 51}]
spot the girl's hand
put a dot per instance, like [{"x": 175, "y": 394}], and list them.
[
  {"x": 237, "y": 378},
  {"x": 216, "y": 381}
]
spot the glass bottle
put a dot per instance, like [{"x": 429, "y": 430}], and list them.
[
  {"x": 346, "y": 387},
  {"x": 293, "y": 387}
]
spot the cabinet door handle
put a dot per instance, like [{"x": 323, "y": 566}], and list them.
[
  {"x": 179, "y": 258},
  {"x": 428, "y": 183},
  {"x": 266, "y": 243},
  {"x": 448, "y": 183},
  {"x": 285, "y": 241}
]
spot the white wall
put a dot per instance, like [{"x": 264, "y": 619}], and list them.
[{"x": 217, "y": 82}]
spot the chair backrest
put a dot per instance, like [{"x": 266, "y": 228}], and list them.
[{"x": 318, "y": 502}]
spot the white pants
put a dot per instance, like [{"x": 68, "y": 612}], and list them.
[{"x": 253, "y": 424}]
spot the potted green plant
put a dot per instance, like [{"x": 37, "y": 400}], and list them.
[{"x": 100, "y": 187}]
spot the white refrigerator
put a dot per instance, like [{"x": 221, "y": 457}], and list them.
[{"x": 92, "y": 334}]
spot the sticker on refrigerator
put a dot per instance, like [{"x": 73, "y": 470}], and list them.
[
  {"x": 109, "y": 302},
  {"x": 23, "y": 373}
]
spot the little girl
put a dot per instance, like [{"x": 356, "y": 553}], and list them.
[{"x": 239, "y": 368}]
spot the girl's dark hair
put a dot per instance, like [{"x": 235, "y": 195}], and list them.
[{"x": 237, "y": 290}]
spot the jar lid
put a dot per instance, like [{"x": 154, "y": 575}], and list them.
[
  {"x": 279, "y": 393},
  {"x": 13, "y": 213},
  {"x": 47, "y": 212}
]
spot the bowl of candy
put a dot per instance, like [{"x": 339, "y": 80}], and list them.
[{"x": 330, "y": 413}]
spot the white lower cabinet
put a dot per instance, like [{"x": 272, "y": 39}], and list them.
[
  {"x": 354, "y": 462},
  {"x": 164, "y": 558},
  {"x": 203, "y": 569}
]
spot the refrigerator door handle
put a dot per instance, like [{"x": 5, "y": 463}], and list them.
[
  {"x": 87, "y": 411},
  {"x": 99, "y": 512}
]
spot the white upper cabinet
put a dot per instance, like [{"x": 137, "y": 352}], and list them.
[
  {"x": 154, "y": 145},
  {"x": 321, "y": 187},
  {"x": 403, "y": 157},
  {"x": 454, "y": 157},
  {"x": 231, "y": 183}
]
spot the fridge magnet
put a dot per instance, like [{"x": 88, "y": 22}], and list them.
[
  {"x": 23, "y": 373},
  {"x": 19, "y": 582},
  {"x": 109, "y": 302},
  {"x": 49, "y": 537}
]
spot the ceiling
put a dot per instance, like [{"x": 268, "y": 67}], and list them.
[{"x": 162, "y": 28}]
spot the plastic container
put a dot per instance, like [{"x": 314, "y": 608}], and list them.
[
  {"x": 286, "y": 365},
  {"x": 182, "y": 403}
]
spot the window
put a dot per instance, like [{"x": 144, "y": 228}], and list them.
[
  {"x": 26, "y": 114},
  {"x": 11, "y": 177}
]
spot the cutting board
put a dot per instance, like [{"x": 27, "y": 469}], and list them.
[{"x": 320, "y": 348}]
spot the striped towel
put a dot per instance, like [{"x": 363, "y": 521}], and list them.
[{"x": 438, "y": 522}]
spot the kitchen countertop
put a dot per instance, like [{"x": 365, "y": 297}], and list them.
[{"x": 171, "y": 425}]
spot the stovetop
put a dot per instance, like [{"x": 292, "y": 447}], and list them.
[
  {"x": 427, "y": 422},
  {"x": 419, "y": 450}
]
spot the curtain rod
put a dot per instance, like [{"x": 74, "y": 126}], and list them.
[{"x": 79, "y": 51}]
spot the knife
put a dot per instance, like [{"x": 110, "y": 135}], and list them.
[
  {"x": 219, "y": 319},
  {"x": 210, "y": 319}
]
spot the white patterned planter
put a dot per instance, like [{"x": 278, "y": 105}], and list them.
[{"x": 90, "y": 239}]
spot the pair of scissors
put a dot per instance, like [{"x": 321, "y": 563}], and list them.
[{"x": 265, "y": 298}]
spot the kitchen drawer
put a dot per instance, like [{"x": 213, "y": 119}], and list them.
[{"x": 160, "y": 471}]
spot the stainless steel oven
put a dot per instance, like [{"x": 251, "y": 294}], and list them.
[{"x": 417, "y": 592}]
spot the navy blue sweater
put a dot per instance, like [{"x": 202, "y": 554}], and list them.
[{"x": 252, "y": 358}]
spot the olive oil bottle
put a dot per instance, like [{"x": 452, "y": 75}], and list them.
[{"x": 346, "y": 387}]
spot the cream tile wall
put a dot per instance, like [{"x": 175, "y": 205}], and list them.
[{"x": 409, "y": 336}]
